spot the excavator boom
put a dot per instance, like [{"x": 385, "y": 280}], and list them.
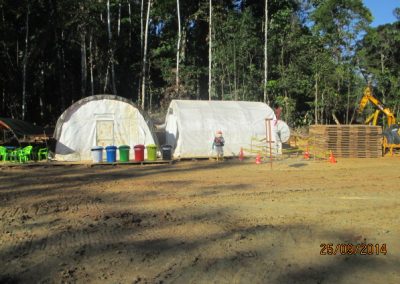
[{"x": 368, "y": 97}]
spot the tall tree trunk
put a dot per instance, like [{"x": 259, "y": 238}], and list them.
[
  {"x": 141, "y": 48},
  {"x": 322, "y": 110},
  {"x": 235, "y": 71},
  {"x": 210, "y": 53},
  {"x": 316, "y": 100},
  {"x": 223, "y": 85},
  {"x": 144, "y": 62},
  {"x": 141, "y": 26},
  {"x": 231, "y": 89},
  {"x": 178, "y": 48},
  {"x": 17, "y": 54},
  {"x": 41, "y": 92},
  {"x": 348, "y": 99},
  {"x": 286, "y": 105},
  {"x": 3, "y": 101},
  {"x": 150, "y": 89},
  {"x": 266, "y": 99},
  {"x": 58, "y": 39},
  {"x": 106, "y": 78},
  {"x": 119, "y": 19},
  {"x": 25, "y": 63},
  {"x": 5, "y": 48},
  {"x": 383, "y": 88},
  {"x": 182, "y": 53},
  {"x": 197, "y": 86},
  {"x": 130, "y": 24},
  {"x": 63, "y": 75},
  {"x": 243, "y": 84},
  {"x": 83, "y": 62},
  {"x": 111, "y": 50},
  {"x": 91, "y": 64},
  {"x": 41, "y": 107}
]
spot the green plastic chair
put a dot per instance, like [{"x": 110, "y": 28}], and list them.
[
  {"x": 13, "y": 155},
  {"x": 16, "y": 155},
  {"x": 27, "y": 152},
  {"x": 23, "y": 155},
  {"x": 43, "y": 152},
  {"x": 3, "y": 153}
]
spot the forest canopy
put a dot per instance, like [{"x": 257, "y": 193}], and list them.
[{"x": 312, "y": 57}]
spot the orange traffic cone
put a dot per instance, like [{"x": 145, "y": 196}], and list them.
[
  {"x": 307, "y": 154},
  {"x": 258, "y": 159},
  {"x": 241, "y": 155},
  {"x": 332, "y": 159}
]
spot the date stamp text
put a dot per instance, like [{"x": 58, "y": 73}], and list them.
[{"x": 353, "y": 249}]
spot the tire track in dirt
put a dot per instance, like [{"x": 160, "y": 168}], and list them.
[
  {"x": 62, "y": 242},
  {"x": 3, "y": 213},
  {"x": 362, "y": 209},
  {"x": 167, "y": 273},
  {"x": 224, "y": 195},
  {"x": 42, "y": 245},
  {"x": 15, "y": 211}
]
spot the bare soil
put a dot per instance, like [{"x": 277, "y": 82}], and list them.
[{"x": 200, "y": 222}]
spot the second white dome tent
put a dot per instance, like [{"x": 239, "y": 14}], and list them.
[{"x": 190, "y": 125}]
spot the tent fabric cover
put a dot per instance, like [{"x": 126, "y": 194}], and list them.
[
  {"x": 20, "y": 128},
  {"x": 87, "y": 122},
  {"x": 283, "y": 131},
  {"x": 191, "y": 125}
]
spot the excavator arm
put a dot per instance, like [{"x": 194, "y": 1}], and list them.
[
  {"x": 368, "y": 97},
  {"x": 364, "y": 100},
  {"x": 373, "y": 117}
]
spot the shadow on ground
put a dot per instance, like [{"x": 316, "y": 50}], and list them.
[{"x": 65, "y": 225}]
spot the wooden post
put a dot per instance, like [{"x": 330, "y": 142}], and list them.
[
  {"x": 315, "y": 150},
  {"x": 269, "y": 137}
]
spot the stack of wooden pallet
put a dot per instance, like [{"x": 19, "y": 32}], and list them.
[{"x": 349, "y": 141}]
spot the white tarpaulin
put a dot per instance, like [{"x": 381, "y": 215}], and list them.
[
  {"x": 99, "y": 120},
  {"x": 191, "y": 125}
]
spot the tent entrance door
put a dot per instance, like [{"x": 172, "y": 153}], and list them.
[{"x": 104, "y": 132}]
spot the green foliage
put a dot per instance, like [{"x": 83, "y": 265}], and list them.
[
  {"x": 237, "y": 55},
  {"x": 318, "y": 52},
  {"x": 378, "y": 56}
]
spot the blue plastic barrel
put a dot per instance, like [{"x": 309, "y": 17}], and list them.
[
  {"x": 97, "y": 154},
  {"x": 111, "y": 154}
]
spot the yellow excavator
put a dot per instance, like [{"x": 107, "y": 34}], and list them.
[
  {"x": 391, "y": 134},
  {"x": 368, "y": 97}
]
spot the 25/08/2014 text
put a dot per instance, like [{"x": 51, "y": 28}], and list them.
[{"x": 353, "y": 249}]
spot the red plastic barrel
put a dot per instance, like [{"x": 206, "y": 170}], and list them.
[{"x": 139, "y": 152}]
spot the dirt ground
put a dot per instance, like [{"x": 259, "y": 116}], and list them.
[{"x": 201, "y": 222}]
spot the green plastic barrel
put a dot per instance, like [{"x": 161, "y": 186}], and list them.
[
  {"x": 124, "y": 153},
  {"x": 151, "y": 152}
]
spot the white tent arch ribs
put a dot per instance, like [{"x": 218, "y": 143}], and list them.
[{"x": 100, "y": 120}]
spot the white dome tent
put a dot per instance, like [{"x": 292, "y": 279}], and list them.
[
  {"x": 100, "y": 120},
  {"x": 190, "y": 125}
]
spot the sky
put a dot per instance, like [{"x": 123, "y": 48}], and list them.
[{"x": 382, "y": 10}]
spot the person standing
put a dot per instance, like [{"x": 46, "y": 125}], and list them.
[
  {"x": 218, "y": 144},
  {"x": 277, "y": 111}
]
